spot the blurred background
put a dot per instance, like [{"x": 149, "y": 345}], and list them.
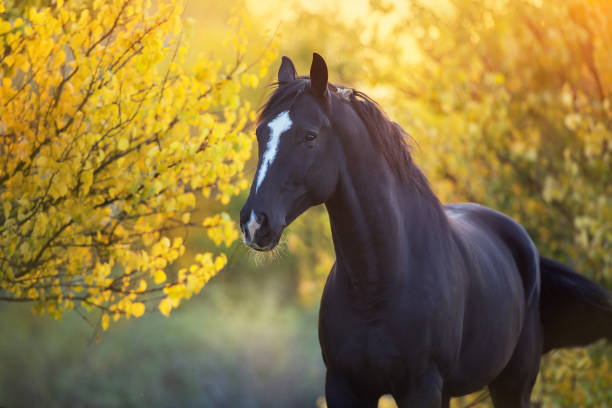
[{"x": 508, "y": 105}]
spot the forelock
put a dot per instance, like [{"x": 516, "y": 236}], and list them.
[{"x": 282, "y": 98}]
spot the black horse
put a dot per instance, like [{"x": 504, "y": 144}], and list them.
[{"x": 425, "y": 301}]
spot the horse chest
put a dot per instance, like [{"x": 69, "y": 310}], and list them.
[{"x": 372, "y": 351}]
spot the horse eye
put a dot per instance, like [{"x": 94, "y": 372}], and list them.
[{"x": 309, "y": 137}]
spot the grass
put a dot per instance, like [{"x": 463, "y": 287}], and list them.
[{"x": 215, "y": 351}]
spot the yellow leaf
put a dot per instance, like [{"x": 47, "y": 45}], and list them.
[
  {"x": 185, "y": 218},
  {"x": 138, "y": 309},
  {"x": 86, "y": 180},
  {"x": 220, "y": 262},
  {"x": 32, "y": 293},
  {"x": 105, "y": 321},
  {"x": 160, "y": 276},
  {"x": 165, "y": 307},
  {"x": 142, "y": 286},
  {"x": 123, "y": 143},
  {"x": 5, "y": 27}
]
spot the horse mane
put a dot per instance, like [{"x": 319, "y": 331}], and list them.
[{"x": 389, "y": 138}]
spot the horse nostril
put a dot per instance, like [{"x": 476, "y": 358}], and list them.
[
  {"x": 255, "y": 222},
  {"x": 261, "y": 219}
]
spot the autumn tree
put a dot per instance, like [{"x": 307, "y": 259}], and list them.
[{"x": 106, "y": 142}]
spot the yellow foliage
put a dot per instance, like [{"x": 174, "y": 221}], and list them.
[{"x": 106, "y": 139}]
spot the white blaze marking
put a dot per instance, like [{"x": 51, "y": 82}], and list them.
[
  {"x": 278, "y": 126},
  {"x": 252, "y": 226}
]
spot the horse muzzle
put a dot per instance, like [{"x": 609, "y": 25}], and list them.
[{"x": 257, "y": 231}]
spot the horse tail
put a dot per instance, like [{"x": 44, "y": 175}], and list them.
[{"x": 574, "y": 310}]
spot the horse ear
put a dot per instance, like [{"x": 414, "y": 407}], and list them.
[
  {"x": 286, "y": 72},
  {"x": 318, "y": 74}
]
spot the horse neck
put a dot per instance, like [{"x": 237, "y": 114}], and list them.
[{"x": 381, "y": 225}]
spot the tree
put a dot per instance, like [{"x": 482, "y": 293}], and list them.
[{"x": 106, "y": 141}]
